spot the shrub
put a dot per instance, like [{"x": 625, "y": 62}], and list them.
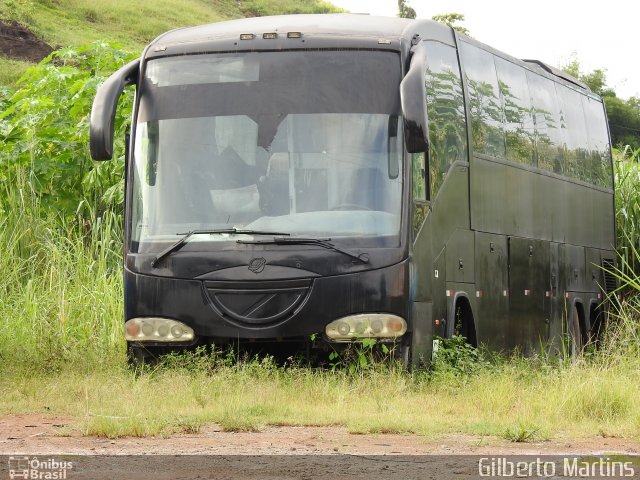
[{"x": 44, "y": 128}]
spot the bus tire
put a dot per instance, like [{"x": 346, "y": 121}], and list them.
[{"x": 464, "y": 324}]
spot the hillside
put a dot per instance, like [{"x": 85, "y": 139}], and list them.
[{"x": 133, "y": 23}]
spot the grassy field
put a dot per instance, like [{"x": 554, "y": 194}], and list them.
[
  {"x": 519, "y": 400},
  {"x": 11, "y": 70}
]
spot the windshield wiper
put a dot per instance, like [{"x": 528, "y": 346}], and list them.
[
  {"x": 321, "y": 242},
  {"x": 185, "y": 237}
]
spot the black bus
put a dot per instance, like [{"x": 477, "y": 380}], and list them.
[{"x": 315, "y": 180}]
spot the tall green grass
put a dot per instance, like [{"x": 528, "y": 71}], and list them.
[
  {"x": 11, "y": 70},
  {"x": 627, "y": 176},
  {"x": 61, "y": 286}
]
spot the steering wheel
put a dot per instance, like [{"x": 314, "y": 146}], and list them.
[{"x": 349, "y": 206}]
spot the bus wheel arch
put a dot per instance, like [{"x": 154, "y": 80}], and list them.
[{"x": 461, "y": 319}]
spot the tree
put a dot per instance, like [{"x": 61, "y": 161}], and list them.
[
  {"x": 596, "y": 80},
  {"x": 404, "y": 10},
  {"x": 450, "y": 19}
]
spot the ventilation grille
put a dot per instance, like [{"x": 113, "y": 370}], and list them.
[{"x": 610, "y": 283}]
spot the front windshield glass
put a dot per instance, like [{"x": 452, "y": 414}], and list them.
[{"x": 307, "y": 143}]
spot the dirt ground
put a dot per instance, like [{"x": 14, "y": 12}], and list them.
[
  {"x": 276, "y": 452},
  {"x": 42, "y": 434},
  {"x": 19, "y": 43}
]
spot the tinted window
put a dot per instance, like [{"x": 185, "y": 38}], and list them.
[
  {"x": 202, "y": 69},
  {"x": 310, "y": 147},
  {"x": 516, "y": 103},
  {"x": 445, "y": 109},
  {"x": 420, "y": 206},
  {"x": 599, "y": 155},
  {"x": 572, "y": 121},
  {"x": 484, "y": 101},
  {"x": 549, "y": 134}
]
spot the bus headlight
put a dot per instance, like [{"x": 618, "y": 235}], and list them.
[
  {"x": 367, "y": 325},
  {"x": 154, "y": 329}
]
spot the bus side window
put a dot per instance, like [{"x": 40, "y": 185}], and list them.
[
  {"x": 549, "y": 136},
  {"x": 599, "y": 156},
  {"x": 445, "y": 111},
  {"x": 572, "y": 120},
  {"x": 484, "y": 101},
  {"x": 516, "y": 105}
]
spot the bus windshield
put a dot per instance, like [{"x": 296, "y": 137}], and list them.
[{"x": 307, "y": 143}]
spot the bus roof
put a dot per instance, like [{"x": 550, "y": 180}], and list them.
[
  {"x": 317, "y": 31},
  {"x": 340, "y": 30}
]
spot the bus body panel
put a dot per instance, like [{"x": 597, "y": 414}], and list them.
[
  {"x": 514, "y": 200},
  {"x": 324, "y": 299}
]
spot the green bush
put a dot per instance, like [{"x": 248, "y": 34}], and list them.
[
  {"x": 456, "y": 356},
  {"x": 44, "y": 129}
]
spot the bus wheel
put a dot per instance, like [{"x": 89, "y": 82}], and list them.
[
  {"x": 464, "y": 325},
  {"x": 575, "y": 335}
]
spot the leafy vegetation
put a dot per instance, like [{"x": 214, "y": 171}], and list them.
[
  {"x": 455, "y": 356},
  {"x": 404, "y": 10},
  {"x": 452, "y": 19},
  {"x": 44, "y": 130}
]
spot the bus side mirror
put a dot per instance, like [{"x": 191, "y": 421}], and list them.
[
  {"x": 103, "y": 110},
  {"x": 414, "y": 101}
]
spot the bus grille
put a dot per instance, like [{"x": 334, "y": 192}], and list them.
[
  {"x": 610, "y": 283},
  {"x": 258, "y": 303}
]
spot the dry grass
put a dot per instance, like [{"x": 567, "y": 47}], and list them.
[{"x": 514, "y": 400}]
